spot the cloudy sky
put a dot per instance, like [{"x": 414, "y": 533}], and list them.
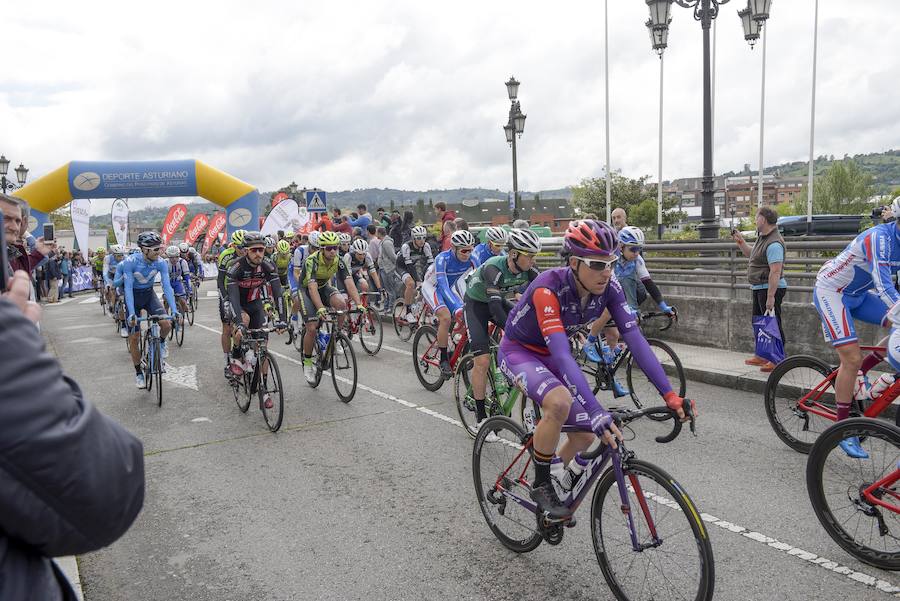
[{"x": 409, "y": 94}]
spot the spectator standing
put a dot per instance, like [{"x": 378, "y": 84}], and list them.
[
  {"x": 440, "y": 227},
  {"x": 374, "y": 242},
  {"x": 449, "y": 228},
  {"x": 619, "y": 218},
  {"x": 401, "y": 230},
  {"x": 387, "y": 265},
  {"x": 343, "y": 226},
  {"x": 363, "y": 220},
  {"x": 65, "y": 272},
  {"x": 325, "y": 224},
  {"x": 73, "y": 479},
  {"x": 381, "y": 218},
  {"x": 765, "y": 271},
  {"x": 15, "y": 222},
  {"x": 53, "y": 274}
]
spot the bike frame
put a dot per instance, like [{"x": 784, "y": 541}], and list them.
[
  {"x": 884, "y": 486},
  {"x": 457, "y": 350},
  {"x": 811, "y": 404},
  {"x": 593, "y": 470}
]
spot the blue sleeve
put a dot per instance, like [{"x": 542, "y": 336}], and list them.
[
  {"x": 558, "y": 344},
  {"x": 775, "y": 253},
  {"x": 167, "y": 286},
  {"x": 443, "y": 284},
  {"x": 128, "y": 275},
  {"x": 105, "y": 268},
  {"x": 878, "y": 251},
  {"x": 362, "y": 222},
  {"x": 186, "y": 276}
]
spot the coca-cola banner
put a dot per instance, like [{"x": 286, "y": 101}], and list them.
[
  {"x": 176, "y": 215},
  {"x": 278, "y": 198},
  {"x": 196, "y": 227},
  {"x": 216, "y": 225}
]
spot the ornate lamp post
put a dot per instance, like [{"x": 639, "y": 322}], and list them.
[
  {"x": 7, "y": 186},
  {"x": 514, "y": 127},
  {"x": 753, "y": 18}
]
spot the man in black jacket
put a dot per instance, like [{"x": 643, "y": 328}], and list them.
[{"x": 71, "y": 479}]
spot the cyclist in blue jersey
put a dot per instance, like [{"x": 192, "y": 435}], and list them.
[
  {"x": 109, "y": 269},
  {"x": 440, "y": 290},
  {"x": 536, "y": 356},
  {"x": 139, "y": 272},
  {"x": 179, "y": 276},
  {"x": 858, "y": 284},
  {"x": 493, "y": 246}
]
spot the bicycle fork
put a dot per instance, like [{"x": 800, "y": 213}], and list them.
[{"x": 625, "y": 506}]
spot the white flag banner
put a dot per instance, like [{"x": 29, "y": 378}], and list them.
[
  {"x": 284, "y": 216},
  {"x": 80, "y": 210},
  {"x": 119, "y": 218}
]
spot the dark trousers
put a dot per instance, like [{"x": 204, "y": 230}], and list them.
[{"x": 759, "y": 305}]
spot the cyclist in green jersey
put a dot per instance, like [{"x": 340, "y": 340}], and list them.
[
  {"x": 316, "y": 291},
  {"x": 282, "y": 260},
  {"x": 97, "y": 266},
  {"x": 484, "y": 302},
  {"x": 226, "y": 258}
]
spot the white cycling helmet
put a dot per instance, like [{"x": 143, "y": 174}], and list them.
[
  {"x": 116, "y": 250},
  {"x": 524, "y": 240},
  {"x": 419, "y": 232},
  {"x": 895, "y": 208},
  {"x": 359, "y": 246},
  {"x": 184, "y": 247},
  {"x": 497, "y": 235},
  {"x": 314, "y": 238},
  {"x": 462, "y": 238},
  {"x": 345, "y": 238},
  {"x": 631, "y": 235},
  {"x": 172, "y": 251}
]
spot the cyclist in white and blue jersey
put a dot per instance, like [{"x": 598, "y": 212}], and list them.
[
  {"x": 110, "y": 261},
  {"x": 440, "y": 290},
  {"x": 857, "y": 284},
  {"x": 493, "y": 246},
  {"x": 179, "y": 276},
  {"x": 139, "y": 272}
]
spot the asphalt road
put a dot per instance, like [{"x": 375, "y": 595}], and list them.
[{"x": 374, "y": 499}]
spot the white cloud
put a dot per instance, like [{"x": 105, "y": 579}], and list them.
[{"x": 408, "y": 94}]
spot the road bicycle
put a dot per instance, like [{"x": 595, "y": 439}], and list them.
[
  {"x": 422, "y": 315},
  {"x": 427, "y": 357},
  {"x": 857, "y": 501},
  {"x": 333, "y": 351},
  {"x": 194, "y": 299},
  {"x": 152, "y": 364},
  {"x": 261, "y": 376},
  {"x": 646, "y": 531},
  {"x": 365, "y": 322},
  {"x": 799, "y": 399},
  {"x": 176, "y": 333},
  {"x": 639, "y": 386},
  {"x": 500, "y": 396},
  {"x": 101, "y": 292}
]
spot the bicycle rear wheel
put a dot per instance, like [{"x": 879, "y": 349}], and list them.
[
  {"x": 641, "y": 388},
  {"x": 427, "y": 358},
  {"x": 240, "y": 386},
  {"x": 371, "y": 331},
  {"x": 343, "y": 367},
  {"x": 868, "y": 531},
  {"x": 270, "y": 384},
  {"x": 192, "y": 308},
  {"x": 179, "y": 334},
  {"x": 403, "y": 329},
  {"x": 505, "y": 465},
  {"x": 668, "y": 528},
  {"x": 790, "y": 381}
]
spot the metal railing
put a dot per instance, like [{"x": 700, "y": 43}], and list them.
[{"x": 720, "y": 264}]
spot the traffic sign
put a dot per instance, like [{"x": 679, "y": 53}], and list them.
[{"x": 316, "y": 201}]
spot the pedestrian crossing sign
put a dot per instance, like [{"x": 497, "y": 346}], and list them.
[{"x": 316, "y": 201}]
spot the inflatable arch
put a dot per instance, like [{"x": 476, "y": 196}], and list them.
[{"x": 142, "y": 179}]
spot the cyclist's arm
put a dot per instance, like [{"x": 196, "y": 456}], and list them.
[
  {"x": 128, "y": 277},
  {"x": 106, "y": 279},
  {"x": 443, "y": 284},
  {"x": 637, "y": 344},
  {"x": 186, "y": 275},
  {"x": 277, "y": 296},
  {"x": 345, "y": 275},
  {"x": 878, "y": 254},
  {"x": 168, "y": 293},
  {"x": 496, "y": 303},
  {"x": 370, "y": 265},
  {"x": 198, "y": 261},
  {"x": 643, "y": 275},
  {"x": 549, "y": 318},
  {"x": 220, "y": 279}
]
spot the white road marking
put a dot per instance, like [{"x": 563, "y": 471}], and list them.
[
  {"x": 199, "y": 420},
  {"x": 399, "y": 351},
  {"x": 82, "y": 326},
  {"x": 88, "y": 340},
  {"x": 90, "y": 300},
  {"x": 183, "y": 376},
  {"x": 212, "y": 294},
  {"x": 60, "y": 302}
]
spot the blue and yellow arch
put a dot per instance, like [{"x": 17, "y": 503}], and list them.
[{"x": 143, "y": 179}]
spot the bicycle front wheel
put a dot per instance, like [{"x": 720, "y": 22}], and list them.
[
  {"x": 669, "y": 532},
  {"x": 371, "y": 331},
  {"x": 465, "y": 399},
  {"x": 240, "y": 386},
  {"x": 427, "y": 358},
  {"x": 403, "y": 329},
  {"x": 643, "y": 391},
  {"x": 178, "y": 326},
  {"x": 504, "y": 465},
  {"x": 157, "y": 370},
  {"x": 192, "y": 308},
  {"x": 865, "y": 525},
  {"x": 270, "y": 387},
  {"x": 793, "y": 379},
  {"x": 343, "y": 367}
]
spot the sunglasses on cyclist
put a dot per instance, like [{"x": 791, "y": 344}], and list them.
[
  {"x": 634, "y": 249},
  {"x": 329, "y": 249},
  {"x": 155, "y": 249},
  {"x": 525, "y": 254},
  {"x": 257, "y": 249},
  {"x": 464, "y": 251},
  {"x": 598, "y": 264}
]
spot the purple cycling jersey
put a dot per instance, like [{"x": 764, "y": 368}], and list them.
[{"x": 539, "y": 327}]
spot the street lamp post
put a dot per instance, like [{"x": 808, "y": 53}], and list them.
[
  {"x": 7, "y": 186},
  {"x": 514, "y": 127},
  {"x": 753, "y": 18}
]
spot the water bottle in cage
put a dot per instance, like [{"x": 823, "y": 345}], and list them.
[
  {"x": 883, "y": 382},
  {"x": 861, "y": 389},
  {"x": 528, "y": 417}
]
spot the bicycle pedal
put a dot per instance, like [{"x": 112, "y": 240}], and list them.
[{"x": 571, "y": 523}]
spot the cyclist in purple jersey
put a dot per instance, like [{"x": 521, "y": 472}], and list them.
[{"x": 536, "y": 356}]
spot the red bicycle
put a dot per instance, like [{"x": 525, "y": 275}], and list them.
[
  {"x": 800, "y": 404},
  {"x": 857, "y": 500},
  {"x": 427, "y": 355}
]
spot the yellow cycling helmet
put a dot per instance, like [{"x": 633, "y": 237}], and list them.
[
  {"x": 237, "y": 237},
  {"x": 100, "y": 250},
  {"x": 288, "y": 235},
  {"x": 283, "y": 246},
  {"x": 329, "y": 239}
]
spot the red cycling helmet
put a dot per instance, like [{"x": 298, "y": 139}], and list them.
[{"x": 589, "y": 238}]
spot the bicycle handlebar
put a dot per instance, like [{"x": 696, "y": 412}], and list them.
[
  {"x": 662, "y": 413},
  {"x": 154, "y": 318},
  {"x": 670, "y": 317}
]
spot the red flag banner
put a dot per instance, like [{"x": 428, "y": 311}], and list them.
[
  {"x": 196, "y": 227},
  {"x": 176, "y": 215},
  {"x": 278, "y": 198},
  {"x": 216, "y": 225}
]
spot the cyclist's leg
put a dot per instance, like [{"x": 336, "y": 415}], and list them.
[
  {"x": 308, "y": 314},
  {"x": 440, "y": 310},
  {"x": 154, "y": 307},
  {"x": 141, "y": 302},
  {"x": 477, "y": 316},
  {"x": 837, "y": 325},
  {"x": 409, "y": 288}
]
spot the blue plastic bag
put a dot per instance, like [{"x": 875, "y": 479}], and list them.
[{"x": 769, "y": 345}]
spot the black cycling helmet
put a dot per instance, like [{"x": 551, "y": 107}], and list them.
[
  {"x": 149, "y": 240},
  {"x": 253, "y": 239}
]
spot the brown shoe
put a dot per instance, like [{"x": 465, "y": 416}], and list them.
[
  {"x": 754, "y": 360},
  {"x": 769, "y": 366}
]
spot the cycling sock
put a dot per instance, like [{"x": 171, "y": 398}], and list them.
[
  {"x": 137, "y": 369},
  {"x": 871, "y": 361},
  {"x": 541, "y": 467},
  {"x": 843, "y": 411},
  {"x": 444, "y": 356},
  {"x": 480, "y": 412}
]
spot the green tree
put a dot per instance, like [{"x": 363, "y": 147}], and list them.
[
  {"x": 634, "y": 195},
  {"x": 420, "y": 208},
  {"x": 61, "y": 218},
  {"x": 392, "y": 205},
  {"x": 843, "y": 189}
]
